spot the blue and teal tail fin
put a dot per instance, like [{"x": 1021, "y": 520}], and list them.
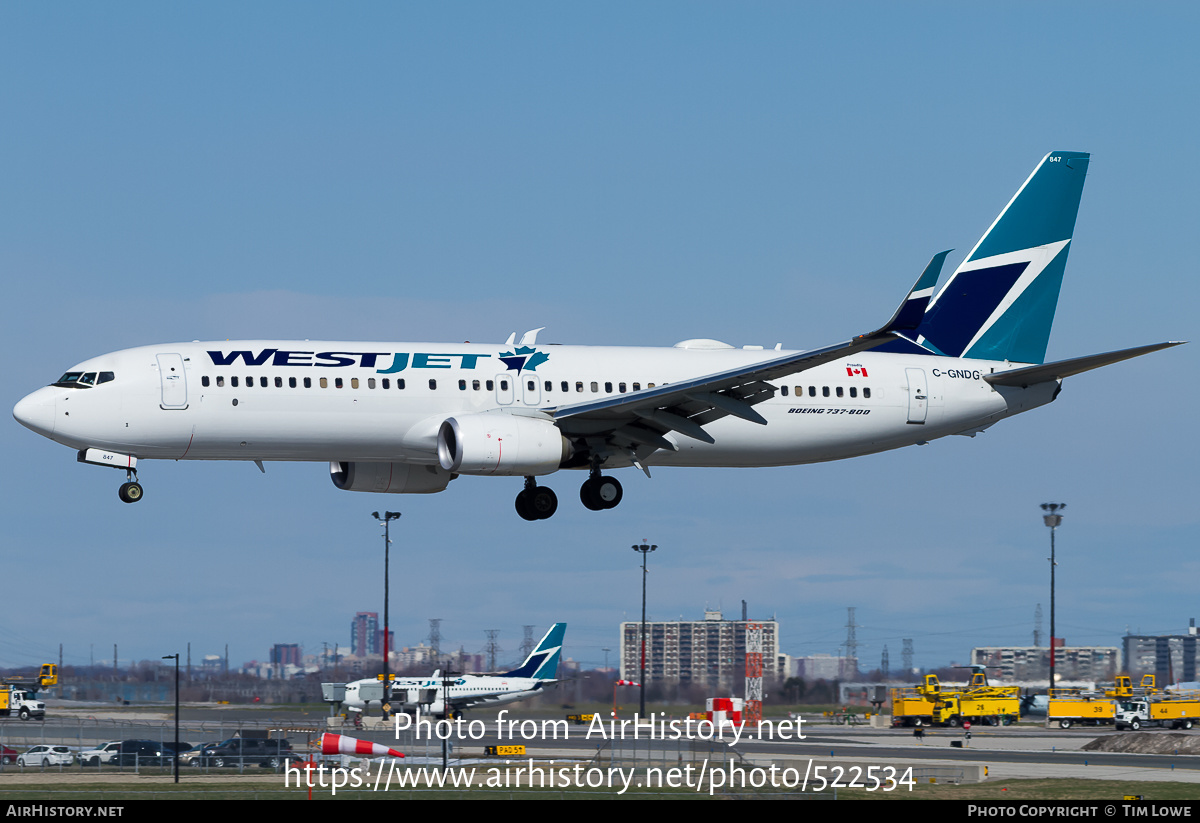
[
  {"x": 999, "y": 304},
  {"x": 542, "y": 662}
]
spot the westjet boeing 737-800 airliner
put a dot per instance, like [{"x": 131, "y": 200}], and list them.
[{"x": 408, "y": 418}]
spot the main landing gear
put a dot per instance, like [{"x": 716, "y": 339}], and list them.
[
  {"x": 599, "y": 492},
  {"x": 131, "y": 490},
  {"x": 536, "y": 502}
]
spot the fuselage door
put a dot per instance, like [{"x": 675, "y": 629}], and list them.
[
  {"x": 918, "y": 395},
  {"x": 174, "y": 384},
  {"x": 504, "y": 389},
  {"x": 531, "y": 391}
]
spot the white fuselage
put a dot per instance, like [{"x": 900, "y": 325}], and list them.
[
  {"x": 464, "y": 691},
  {"x": 384, "y": 402}
]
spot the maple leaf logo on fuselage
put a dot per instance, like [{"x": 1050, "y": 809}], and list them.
[{"x": 523, "y": 358}]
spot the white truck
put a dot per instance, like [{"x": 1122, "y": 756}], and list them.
[
  {"x": 1168, "y": 712},
  {"x": 18, "y": 695}
]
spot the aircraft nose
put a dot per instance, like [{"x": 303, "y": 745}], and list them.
[{"x": 36, "y": 411}]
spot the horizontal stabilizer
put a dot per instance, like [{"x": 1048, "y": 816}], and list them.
[{"x": 1031, "y": 375}]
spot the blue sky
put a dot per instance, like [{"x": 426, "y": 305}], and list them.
[{"x": 621, "y": 173}]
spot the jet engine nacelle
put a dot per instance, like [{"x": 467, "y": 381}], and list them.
[
  {"x": 501, "y": 443},
  {"x": 392, "y": 478}
]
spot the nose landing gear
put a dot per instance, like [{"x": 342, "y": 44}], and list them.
[{"x": 131, "y": 490}]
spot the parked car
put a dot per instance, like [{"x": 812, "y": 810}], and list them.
[
  {"x": 103, "y": 754},
  {"x": 46, "y": 756},
  {"x": 195, "y": 755},
  {"x": 143, "y": 753},
  {"x": 8, "y": 755},
  {"x": 248, "y": 750}
]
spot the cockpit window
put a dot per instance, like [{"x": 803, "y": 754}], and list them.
[
  {"x": 83, "y": 380},
  {"x": 69, "y": 380}
]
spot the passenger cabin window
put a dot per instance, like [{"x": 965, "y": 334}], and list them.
[
  {"x": 812, "y": 391},
  {"x": 853, "y": 391},
  {"x": 324, "y": 382},
  {"x": 386, "y": 383},
  {"x": 462, "y": 385},
  {"x": 824, "y": 391},
  {"x": 262, "y": 381},
  {"x": 867, "y": 393},
  {"x": 783, "y": 390},
  {"x": 204, "y": 381},
  {"x": 220, "y": 381},
  {"x": 233, "y": 381},
  {"x": 839, "y": 391},
  {"x": 279, "y": 382},
  {"x": 308, "y": 382},
  {"x": 433, "y": 385},
  {"x": 291, "y": 382}
]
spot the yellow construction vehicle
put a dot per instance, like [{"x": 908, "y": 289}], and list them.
[
  {"x": 1069, "y": 707},
  {"x": 931, "y": 704},
  {"x": 18, "y": 694}
]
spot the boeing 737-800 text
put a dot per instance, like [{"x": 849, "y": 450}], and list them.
[{"x": 410, "y": 417}]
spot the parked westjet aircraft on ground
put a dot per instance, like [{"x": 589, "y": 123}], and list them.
[
  {"x": 468, "y": 690},
  {"x": 410, "y": 417}
]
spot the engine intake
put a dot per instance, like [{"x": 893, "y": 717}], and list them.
[{"x": 501, "y": 444}]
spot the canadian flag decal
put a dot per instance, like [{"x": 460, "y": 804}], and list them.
[{"x": 856, "y": 371}]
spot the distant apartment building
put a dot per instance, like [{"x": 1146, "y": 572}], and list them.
[
  {"x": 1171, "y": 658},
  {"x": 709, "y": 652},
  {"x": 365, "y": 635},
  {"x": 285, "y": 654},
  {"x": 824, "y": 667},
  {"x": 1097, "y": 663}
]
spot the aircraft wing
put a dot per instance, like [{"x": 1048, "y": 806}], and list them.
[{"x": 640, "y": 419}]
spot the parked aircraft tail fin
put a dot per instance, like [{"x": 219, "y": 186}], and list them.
[{"x": 542, "y": 662}]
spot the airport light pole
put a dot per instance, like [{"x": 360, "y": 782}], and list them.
[
  {"x": 1053, "y": 520},
  {"x": 386, "y": 520},
  {"x": 645, "y": 549},
  {"x": 175, "y": 759},
  {"x": 447, "y": 677}
]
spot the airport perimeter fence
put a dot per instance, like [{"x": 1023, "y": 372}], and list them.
[
  {"x": 631, "y": 753},
  {"x": 80, "y": 734}
]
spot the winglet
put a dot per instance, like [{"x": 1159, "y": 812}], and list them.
[{"x": 912, "y": 310}]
